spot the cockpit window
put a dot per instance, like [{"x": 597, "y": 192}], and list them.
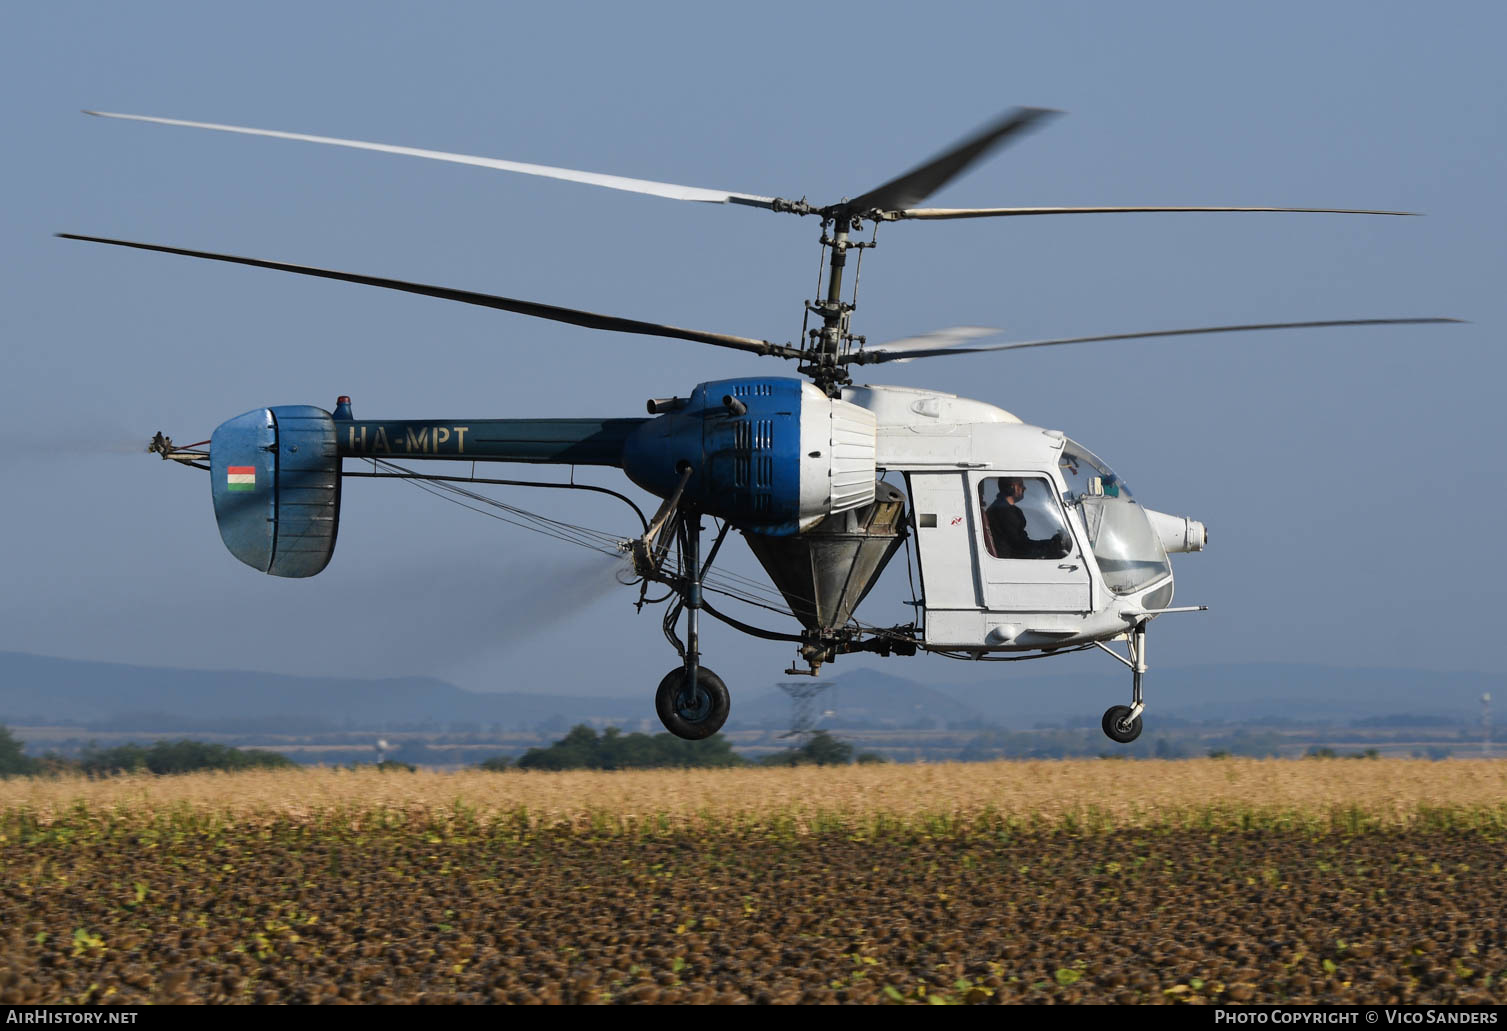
[
  {"x": 1021, "y": 518},
  {"x": 1128, "y": 550},
  {"x": 1086, "y": 474}
]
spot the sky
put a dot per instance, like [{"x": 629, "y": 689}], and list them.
[{"x": 1352, "y": 480}]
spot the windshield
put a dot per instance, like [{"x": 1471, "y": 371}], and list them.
[{"x": 1129, "y": 553}]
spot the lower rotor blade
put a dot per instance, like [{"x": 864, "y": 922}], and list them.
[
  {"x": 880, "y": 355},
  {"x": 954, "y": 336},
  {"x": 590, "y": 320},
  {"x": 940, "y": 213}
]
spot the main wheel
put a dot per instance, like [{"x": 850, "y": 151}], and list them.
[
  {"x": 688, "y": 715},
  {"x": 1117, "y": 729}
]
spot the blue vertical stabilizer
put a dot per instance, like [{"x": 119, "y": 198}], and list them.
[{"x": 275, "y": 475}]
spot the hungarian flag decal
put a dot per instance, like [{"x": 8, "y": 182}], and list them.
[{"x": 240, "y": 477}]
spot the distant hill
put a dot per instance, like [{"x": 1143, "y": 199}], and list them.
[{"x": 38, "y": 689}]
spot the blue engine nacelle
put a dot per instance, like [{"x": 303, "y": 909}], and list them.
[
  {"x": 275, "y": 476},
  {"x": 771, "y": 455}
]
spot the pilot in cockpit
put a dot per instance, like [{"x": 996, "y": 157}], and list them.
[{"x": 1005, "y": 526}]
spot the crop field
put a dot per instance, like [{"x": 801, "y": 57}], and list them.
[{"x": 1330, "y": 880}]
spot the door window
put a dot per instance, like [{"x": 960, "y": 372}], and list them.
[{"x": 1021, "y": 519}]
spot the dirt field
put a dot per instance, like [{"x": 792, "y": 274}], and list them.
[{"x": 1220, "y": 880}]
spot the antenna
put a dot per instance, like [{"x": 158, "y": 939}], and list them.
[{"x": 803, "y": 714}]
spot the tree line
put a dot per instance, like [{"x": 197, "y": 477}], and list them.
[
  {"x": 580, "y": 749},
  {"x": 584, "y": 749},
  {"x": 183, "y": 756}
]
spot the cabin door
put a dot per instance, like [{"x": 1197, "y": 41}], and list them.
[{"x": 1028, "y": 556}]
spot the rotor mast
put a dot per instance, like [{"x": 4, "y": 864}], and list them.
[
  {"x": 821, "y": 361},
  {"x": 824, "y": 360},
  {"x": 824, "y": 355}
]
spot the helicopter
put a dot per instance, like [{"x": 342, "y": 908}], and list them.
[{"x": 1028, "y": 545}]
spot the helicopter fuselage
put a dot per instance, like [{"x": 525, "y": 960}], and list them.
[{"x": 1025, "y": 540}]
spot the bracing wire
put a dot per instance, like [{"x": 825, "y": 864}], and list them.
[
  {"x": 726, "y": 583},
  {"x": 732, "y": 585},
  {"x": 571, "y": 533}
]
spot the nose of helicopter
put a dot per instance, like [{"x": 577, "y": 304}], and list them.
[{"x": 1178, "y": 533}]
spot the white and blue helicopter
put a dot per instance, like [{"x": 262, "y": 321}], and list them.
[{"x": 1028, "y": 544}]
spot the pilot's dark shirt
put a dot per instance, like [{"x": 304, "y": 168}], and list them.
[{"x": 1007, "y": 528}]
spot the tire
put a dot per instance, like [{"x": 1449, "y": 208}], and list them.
[
  {"x": 1112, "y": 717},
  {"x": 692, "y": 719}
]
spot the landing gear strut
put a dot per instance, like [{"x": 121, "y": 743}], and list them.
[
  {"x": 1122, "y": 723},
  {"x": 692, "y": 702}
]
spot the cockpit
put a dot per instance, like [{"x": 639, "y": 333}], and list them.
[
  {"x": 1027, "y": 540},
  {"x": 1129, "y": 552}
]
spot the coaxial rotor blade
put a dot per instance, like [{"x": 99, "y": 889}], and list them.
[
  {"x": 940, "y": 213},
  {"x": 921, "y": 182},
  {"x": 881, "y": 355},
  {"x": 671, "y": 191},
  {"x": 938, "y": 339},
  {"x": 590, "y": 320}
]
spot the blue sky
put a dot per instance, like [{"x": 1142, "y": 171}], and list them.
[{"x": 1352, "y": 480}]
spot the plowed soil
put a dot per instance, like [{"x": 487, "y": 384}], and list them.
[{"x": 131, "y": 902}]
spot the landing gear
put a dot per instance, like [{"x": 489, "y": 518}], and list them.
[
  {"x": 692, "y": 702},
  {"x": 1122, "y": 723},
  {"x": 1119, "y": 726},
  {"x": 692, "y": 712}
]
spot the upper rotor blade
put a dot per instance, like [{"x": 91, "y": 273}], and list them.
[
  {"x": 940, "y": 213},
  {"x": 919, "y": 183},
  {"x": 591, "y": 320},
  {"x": 613, "y": 182},
  {"x": 880, "y": 355}
]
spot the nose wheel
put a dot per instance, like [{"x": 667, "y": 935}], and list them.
[
  {"x": 1120, "y": 726},
  {"x": 1122, "y": 723}
]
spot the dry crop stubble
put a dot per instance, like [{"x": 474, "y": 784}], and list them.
[{"x": 1381, "y": 792}]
